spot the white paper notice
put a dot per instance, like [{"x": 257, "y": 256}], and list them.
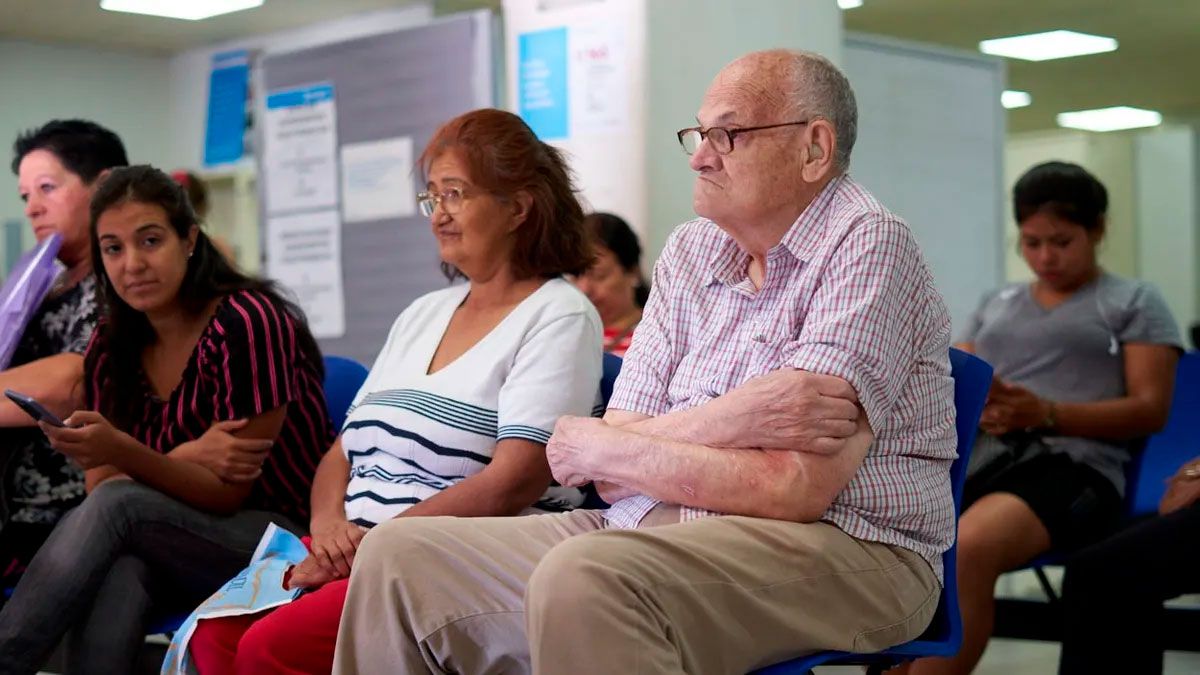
[
  {"x": 301, "y": 149},
  {"x": 377, "y": 180},
  {"x": 599, "y": 79},
  {"x": 304, "y": 253}
]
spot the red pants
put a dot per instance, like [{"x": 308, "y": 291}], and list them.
[{"x": 295, "y": 638}]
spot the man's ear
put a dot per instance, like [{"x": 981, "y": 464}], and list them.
[{"x": 820, "y": 151}]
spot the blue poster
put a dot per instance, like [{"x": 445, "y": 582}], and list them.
[
  {"x": 300, "y": 96},
  {"x": 228, "y": 90},
  {"x": 542, "y": 82}
]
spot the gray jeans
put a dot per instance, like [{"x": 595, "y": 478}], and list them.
[{"x": 126, "y": 550}]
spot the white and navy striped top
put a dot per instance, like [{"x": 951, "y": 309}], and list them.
[{"x": 411, "y": 434}]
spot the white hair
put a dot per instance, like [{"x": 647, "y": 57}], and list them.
[{"x": 817, "y": 88}]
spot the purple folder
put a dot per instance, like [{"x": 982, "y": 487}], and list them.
[{"x": 26, "y": 287}]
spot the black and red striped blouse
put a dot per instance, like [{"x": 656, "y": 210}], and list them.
[{"x": 246, "y": 362}]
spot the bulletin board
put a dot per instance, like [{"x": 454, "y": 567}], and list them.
[{"x": 386, "y": 88}]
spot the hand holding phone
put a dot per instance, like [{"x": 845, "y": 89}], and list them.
[{"x": 34, "y": 409}]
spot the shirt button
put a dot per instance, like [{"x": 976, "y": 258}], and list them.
[{"x": 760, "y": 338}]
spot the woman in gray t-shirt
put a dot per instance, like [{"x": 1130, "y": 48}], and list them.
[{"x": 1085, "y": 365}]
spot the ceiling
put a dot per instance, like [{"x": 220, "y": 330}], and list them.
[
  {"x": 83, "y": 23},
  {"x": 1157, "y": 65}
]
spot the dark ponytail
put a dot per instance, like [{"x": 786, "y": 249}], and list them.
[
  {"x": 1067, "y": 190},
  {"x": 126, "y": 332},
  {"x": 612, "y": 232}
]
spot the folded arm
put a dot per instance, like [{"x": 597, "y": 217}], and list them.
[
  {"x": 782, "y": 448},
  {"x": 786, "y": 409},
  {"x": 797, "y": 485},
  {"x": 106, "y": 453},
  {"x": 783, "y": 445}
]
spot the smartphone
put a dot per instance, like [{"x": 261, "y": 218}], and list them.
[{"x": 36, "y": 410}]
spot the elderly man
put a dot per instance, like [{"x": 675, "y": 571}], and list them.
[{"x": 776, "y": 451}]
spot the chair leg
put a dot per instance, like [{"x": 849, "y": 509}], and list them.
[{"x": 1047, "y": 588}]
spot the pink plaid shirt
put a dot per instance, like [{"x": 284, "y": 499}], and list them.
[{"x": 847, "y": 293}]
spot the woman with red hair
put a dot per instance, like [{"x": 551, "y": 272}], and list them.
[{"x": 454, "y": 417}]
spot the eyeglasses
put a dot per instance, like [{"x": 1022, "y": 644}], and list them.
[
  {"x": 720, "y": 138},
  {"x": 451, "y": 200}
]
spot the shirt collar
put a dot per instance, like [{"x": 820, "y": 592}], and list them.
[{"x": 729, "y": 263}]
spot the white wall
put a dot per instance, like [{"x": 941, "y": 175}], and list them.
[
  {"x": 1110, "y": 157},
  {"x": 609, "y": 163},
  {"x": 688, "y": 41},
  {"x": 1167, "y": 166},
  {"x": 128, "y": 93},
  {"x": 939, "y": 167}
]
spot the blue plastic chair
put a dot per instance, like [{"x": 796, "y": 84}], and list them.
[
  {"x": 343, "y": 378},
  {"x": 1171, "y": 448},
  {"x": 1164, "y": 453},
  {"x": 972, "y": 379},
  {"x": 612, "y": 368}
]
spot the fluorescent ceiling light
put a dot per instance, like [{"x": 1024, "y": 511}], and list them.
[
  {"x": 1056, "y": 44},
  {"x": 1110, "y": 119},
  {"x": 849, "y": 4},
  {"x": 1012, "y": 98},
  {"x": 191, "y": 10}
]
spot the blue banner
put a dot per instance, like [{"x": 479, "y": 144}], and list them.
[
  {"x": 290, "y": 98},
  {"x": 542, "y": 83},
  {"x": 228, "y": 89}
]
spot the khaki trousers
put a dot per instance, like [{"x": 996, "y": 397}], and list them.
[{"x": 564, "y": 594}]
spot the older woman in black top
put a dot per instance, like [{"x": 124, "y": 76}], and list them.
[{"x": 58, "y": 167}]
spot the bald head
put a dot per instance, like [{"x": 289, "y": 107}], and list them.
[{"x": 795, "y": 84}]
